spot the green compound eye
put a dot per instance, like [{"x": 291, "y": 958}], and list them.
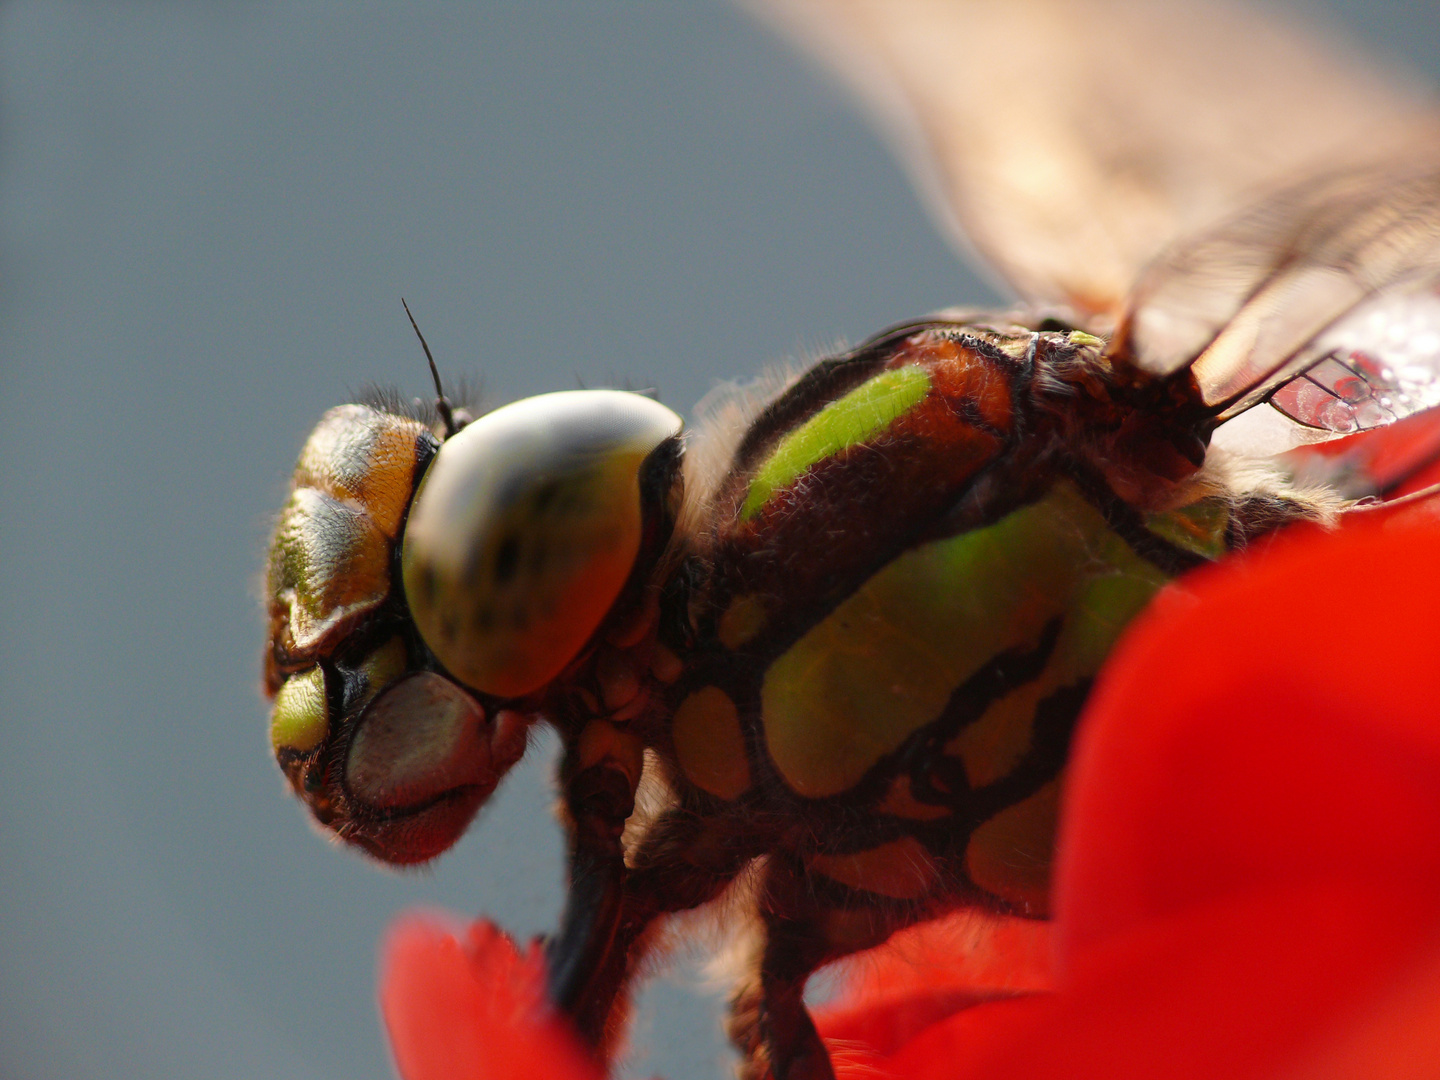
[{"x": 524, "y": 531}]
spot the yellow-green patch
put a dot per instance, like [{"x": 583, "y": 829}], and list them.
[
  {"x": 1100, "y": 606},
  {"x": 1009, "y": 856},
  {"x": 884, "y": 663},
  {"x": 709, "y": 744},
  {"x": 383, "y": 666},
  {"x": 1198, "y": 528},
  {"x": 864, "y": 412},
  {"x": 299, "y": 721},
  {"x": 741, "y": 621}
]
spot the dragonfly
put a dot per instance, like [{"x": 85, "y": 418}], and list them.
[{"x": 822, "y": 654}]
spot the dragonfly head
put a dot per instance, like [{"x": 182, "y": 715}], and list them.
[{"x": 426, "y": 597}]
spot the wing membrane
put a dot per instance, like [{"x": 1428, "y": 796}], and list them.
[
  {"x": 1324, "y": 298},
  {"x": 1070, "y": 141}
]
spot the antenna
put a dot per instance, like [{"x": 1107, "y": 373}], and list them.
[{"x": 442, "y": 403}]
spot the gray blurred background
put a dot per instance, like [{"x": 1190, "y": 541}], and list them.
[{"x": 208, "y": 214}]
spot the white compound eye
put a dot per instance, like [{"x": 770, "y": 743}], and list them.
[{"x": 524, "y": 531}]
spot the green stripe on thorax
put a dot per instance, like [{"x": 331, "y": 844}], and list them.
[{"x": 860, "y": 415}]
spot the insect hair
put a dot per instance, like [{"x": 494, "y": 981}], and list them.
[
  {"x": 722, "y": 418},
  {"x": 464, "y": 401},
  {"x": 1251, "y": 484}
]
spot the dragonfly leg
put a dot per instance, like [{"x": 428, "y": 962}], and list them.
[
  {"x": 769, "y": 1021},
  {"x": 683, "y": 861},
  {"x": 598, "y": 800},
  {"x": 808, "y": 920}
]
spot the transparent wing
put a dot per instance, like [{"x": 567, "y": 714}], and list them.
[
  {"x": 1323, "y": 299},
  {"x": 1392, "y": 463},
  {"x": 1071, "y": 141}
]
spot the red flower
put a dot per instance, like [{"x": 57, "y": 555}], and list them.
[
  {"x": 466, "y": 1003},
  {"x": 1249, "y": 878}
]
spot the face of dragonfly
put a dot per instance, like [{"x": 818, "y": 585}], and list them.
[{"x": 425, "y": 595}]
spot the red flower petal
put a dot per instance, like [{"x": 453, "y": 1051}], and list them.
[
  {"x": 466, "y": 1005},
  {"x": 1396, "y": 459},
  {"x": 930, "y": 971},
  {"x": 1395, "y": 1041},
  {"x": 1229, "y": 989},
  {"x": 1273, "y": 723}
]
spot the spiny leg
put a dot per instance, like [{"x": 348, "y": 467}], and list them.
[
  {"x": 599, "y": 781},
  {"x": 769, "y": 1022},
  {"x": 809, "y": 920},
  {"x": 683, "y": 861}
]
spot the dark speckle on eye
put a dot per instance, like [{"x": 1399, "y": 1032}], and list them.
[
  {"x": 569, "y": 501},
  {"x": 507, "y": 558},
  {"x": 544, "y": 495}
]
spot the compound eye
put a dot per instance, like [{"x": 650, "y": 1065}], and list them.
[
  {"x": 422, "y": 761},
  {"x": 524, "y": 531}
]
